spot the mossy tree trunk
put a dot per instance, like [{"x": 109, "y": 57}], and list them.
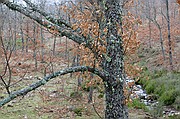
[{"x": 115, "y": 106}]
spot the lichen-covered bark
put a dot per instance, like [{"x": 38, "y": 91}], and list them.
[{"x": 115, "y": 106}]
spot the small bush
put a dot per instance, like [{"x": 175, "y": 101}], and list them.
[
  {"x": 176, "y": 104},
  {"x": 174, "y": 117},
  {"x": 160, "y": 89},
  {"x": 150, "y": 87},
  {"x": 78, "y": 111},
  {"x": 158, "y": 73},
  {"x": 168, "y": 97},
  {"x": 137, "y": 104}
]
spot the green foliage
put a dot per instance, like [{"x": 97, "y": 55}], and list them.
[
  {"x": 78, "y": 111},
  {"x": 158, "y": 73},
  {"x": 166, "y": 85},
  {"x": 168, "y": 97},
  {"x": 85, "y": 87},
  {"x": 160, "y": 89},
  {"x": 176, "y": 104},
  {"x": 76, "y": 94},
  {"x": 101, "y": 95},
  {"x": 157, "y": 111},
  {"x": 150, "y": 87},
  {"x": 174, "y": 117},
  {"x": 137, "y": 104}
]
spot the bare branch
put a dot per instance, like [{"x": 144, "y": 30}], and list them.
[
  {"x": 52, "y": 22},
  {"x": 35, "y": 85},
  {"x": 46, "y": 15}
]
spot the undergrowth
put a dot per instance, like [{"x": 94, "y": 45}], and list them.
[{"x": 165, "y": 85}]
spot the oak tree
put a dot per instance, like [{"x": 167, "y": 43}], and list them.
[{"x": 109, "y": 38}]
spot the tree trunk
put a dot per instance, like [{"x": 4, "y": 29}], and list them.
[
  {"x": 42, "y": 44},
  {"x": 113, "y": 64},
  {"x": 169, "y": 36},
  {"x": 149, "y": 23},
  {"x": 27, "y": 39},
  {"x": 34, "y": 45},
  {"x": 90, "y": 95},
  {"x": 160, "y": 38},
  {"x": 150, "y": 34},
  {"x": 15, "y": 31},
  {"x": 54, "y": 45},
  {"x": 161, "y": 41},
  {"x": 22, "y": 33},
  {"x": 115, "y": 107}
]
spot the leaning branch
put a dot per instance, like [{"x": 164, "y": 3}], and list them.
[
  {"x": 46, "y": 15},
  {"x": 64, "y": 31},
  {"x": 43, "y": 81}
]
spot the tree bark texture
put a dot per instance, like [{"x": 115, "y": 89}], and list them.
[
  {"x": 169, "y": 36},
  {"x": 115, "y": 106}
]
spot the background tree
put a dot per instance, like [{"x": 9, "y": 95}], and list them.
[
  {"x": 169, "y": 35},
  {"x": 153, "y": 12}
]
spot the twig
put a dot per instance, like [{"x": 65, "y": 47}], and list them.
[{"x": 96, "y": 110}]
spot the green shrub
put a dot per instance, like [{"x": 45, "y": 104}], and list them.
[
  {"x": 176, "y": 104},
  {"x": 166, "y": 85},
  {"x": 168, "y": 97},
  {"x": 78, "y": 111},
  {"x": 157, "y": 111},
  {"x": 158, "y": 73},
  {"x": 150, "y": 87},
  {"x": 137, "y": 104},
  {"x": 174, "y": 117},
  {"x": 160, "y": 89}
]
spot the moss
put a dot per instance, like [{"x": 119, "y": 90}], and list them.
[{"x": 85, "y": 87}]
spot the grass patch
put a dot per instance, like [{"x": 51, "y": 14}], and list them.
[
  {"x": 166, "y": 85},
  {"x": 137, "y": 104},
  {"x": 19, "y": 109}
]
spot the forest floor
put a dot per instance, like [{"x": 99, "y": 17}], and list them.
[
  {"x": 55, "y": 101},
  {"x": 59, "y": 99}
]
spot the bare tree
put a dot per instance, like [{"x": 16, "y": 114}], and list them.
[
  {"x": 167, "y": 17},
  {"x": 151, "y": 15}
]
